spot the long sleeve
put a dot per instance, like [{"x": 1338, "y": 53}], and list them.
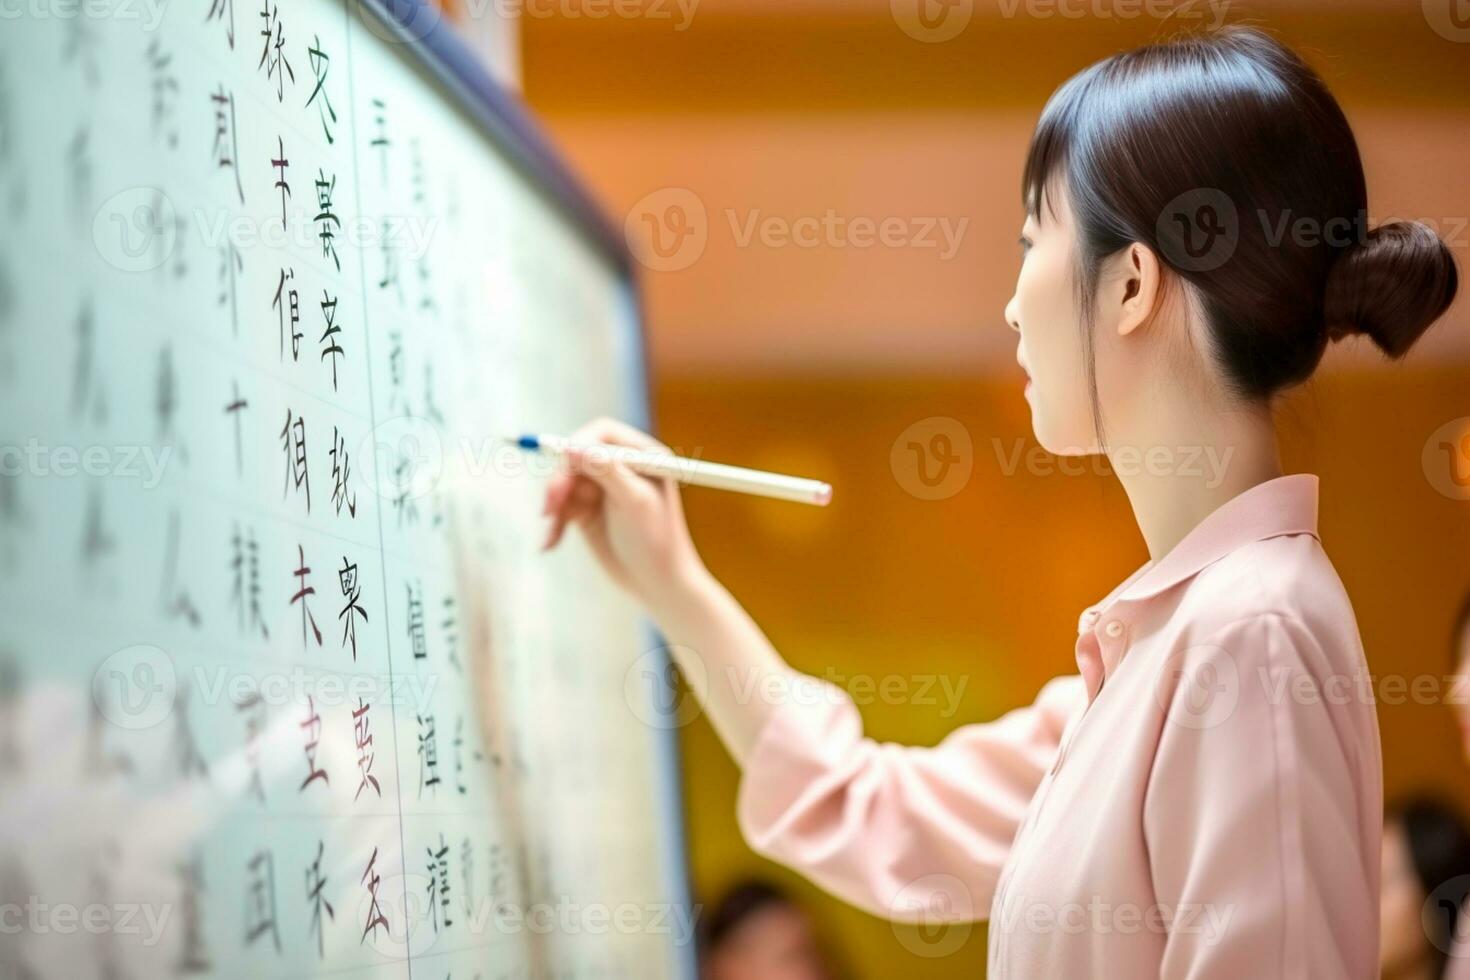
[
  {"x": 900, "y": 832},
  {"x": 1261, "y": 828}
]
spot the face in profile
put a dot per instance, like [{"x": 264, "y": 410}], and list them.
[
  {"x": 775, "y": 942},
  {"x": 1047, "y": 315},
  {"x": 1043, "y": 312}
]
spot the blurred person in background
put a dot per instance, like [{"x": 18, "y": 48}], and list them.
[
  {"x": 757, "y": 932},
  {"x": 1458, "y": 965},
  {"x": 1426, "y": 875}
]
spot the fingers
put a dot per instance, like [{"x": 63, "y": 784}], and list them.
[
  {"x": 578, "y": 494},
  {"x": 602, "y": 549},
  {"x": 557, "y": 492},
  {"x": 583, "y": 499},
  {"x": 617, "y": 433},
  {"x": 623, "y": 487}
]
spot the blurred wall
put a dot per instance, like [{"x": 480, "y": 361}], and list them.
[{"x": 719, "y": 127}]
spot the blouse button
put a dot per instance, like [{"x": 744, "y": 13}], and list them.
[{"x": 1114, "y": 629}]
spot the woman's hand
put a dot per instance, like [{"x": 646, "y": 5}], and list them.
[
  {"x": 635, "y": 526},
  {"x": 633, "y": 523}
]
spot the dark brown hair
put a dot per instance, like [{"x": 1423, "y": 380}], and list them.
[{"x": 1225, "y": 154}]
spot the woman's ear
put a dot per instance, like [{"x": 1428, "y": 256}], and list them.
[{"x": 1139, "y": 274}]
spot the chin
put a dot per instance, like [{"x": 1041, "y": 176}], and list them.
[{"x": 1054, "y": 443}]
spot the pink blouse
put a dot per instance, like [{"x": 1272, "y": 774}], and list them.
[{"x": 1203, "y": 800}]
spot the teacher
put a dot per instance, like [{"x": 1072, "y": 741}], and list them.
[{"x": 1182, "y": 807}]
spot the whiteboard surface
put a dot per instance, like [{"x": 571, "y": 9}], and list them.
[{"x": 286, "y": 687}]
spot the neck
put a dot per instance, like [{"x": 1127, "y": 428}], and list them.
[{"x": 1180, "y": 464}]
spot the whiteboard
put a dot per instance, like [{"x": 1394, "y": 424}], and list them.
[{"x": 286, "y": 687}]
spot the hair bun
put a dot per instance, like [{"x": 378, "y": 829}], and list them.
[{"x": 1390, "y": 286}]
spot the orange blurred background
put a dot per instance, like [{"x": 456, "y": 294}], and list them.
[{"x": 720, "y": 125}]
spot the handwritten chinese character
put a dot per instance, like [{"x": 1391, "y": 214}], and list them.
[
  {"x": 319, "y": 65},
  {"x": 226, "y": 144},
  {"x": 260, "y": 897},
  {"x": 293, "y": 442},
  {"x": 312, "y": 726},
  {"x": 304, "y": 590},
  {"x": 347, "y": 579},
  {"x": 333, "y": 347},
  {"x": 428, "y": 756},
  {"x": 365, "y": 756},
  {"x": 327, "y": 221},
  {"x": 273, "y": 53},
  {"x": 291, "y": 306},
  {"x": 375, "y": 916},
  {"x": 341, "y": 471},
  {"x": 246, "y": 567},
  {"x": 315, "y": 883}
]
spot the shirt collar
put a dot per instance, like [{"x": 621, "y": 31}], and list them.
[{"x": 1284, "y": 505}]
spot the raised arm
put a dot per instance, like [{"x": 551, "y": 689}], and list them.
[
  {"x": 905, "y": 833},
  {"x": 902, "y": 832}
]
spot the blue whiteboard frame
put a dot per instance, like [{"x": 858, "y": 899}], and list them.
[{"x": 425, "y": 35}]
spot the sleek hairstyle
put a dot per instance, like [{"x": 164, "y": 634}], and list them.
[
  {"x": 1226, "y": 155},
  {"x": 1439, "y": 848}
]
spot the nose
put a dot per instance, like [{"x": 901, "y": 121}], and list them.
[{"x": 1012, "y": 315}]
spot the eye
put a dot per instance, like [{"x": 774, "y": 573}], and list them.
[{"x": 1025, "y": 244}]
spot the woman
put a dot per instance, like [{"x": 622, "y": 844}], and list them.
[
  {"x": 1426, "y": 875},
  {"x": 1195, "y": 235}
]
